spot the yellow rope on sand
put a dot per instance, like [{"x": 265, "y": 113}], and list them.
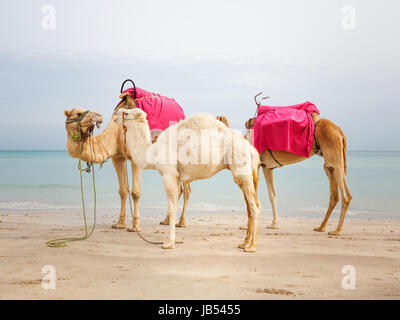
[{"x": 62, "y": 242}]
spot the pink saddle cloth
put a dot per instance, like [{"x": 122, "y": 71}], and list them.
[
  {"x": 288, "y": 128},
  {"x": 161, "y": 111}
]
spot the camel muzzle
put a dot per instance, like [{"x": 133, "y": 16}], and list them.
[{"x": 97, "y": 119}]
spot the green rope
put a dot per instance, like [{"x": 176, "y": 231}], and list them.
[{"x": 62, "y": 242}]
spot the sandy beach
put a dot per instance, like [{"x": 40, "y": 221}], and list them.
[{"x": 291, "y": 263}]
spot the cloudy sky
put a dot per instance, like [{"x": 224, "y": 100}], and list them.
[{"x": 211, "y": 56}]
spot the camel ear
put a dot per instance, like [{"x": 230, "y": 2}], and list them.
[{"x": 67, "y": 113}]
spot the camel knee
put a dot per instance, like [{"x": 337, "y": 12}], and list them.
[
  {"x": 254, "y": 206},
  {"x": 135, "y": 195},
  {"x": 123, "y": 193},
  {"x": 347, "y": 199}
]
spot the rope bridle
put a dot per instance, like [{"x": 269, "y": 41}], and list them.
[
  {"x": 79, "y": 134},
  {"x": 78, "y": 119},
  {"x": 62, "y": 242}
]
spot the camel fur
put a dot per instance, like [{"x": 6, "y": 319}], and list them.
[
  {"x": 111, "y": 144},
  {"x": 331, "y": 143},
  {"x": 180, "y": 160}
]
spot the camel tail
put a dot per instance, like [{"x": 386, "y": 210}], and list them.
[{"x": 344, "y": 149}]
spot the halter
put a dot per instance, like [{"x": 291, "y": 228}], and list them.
[
  {"x": 78, "y": 120},
  {"x": 79, "y": 134}
]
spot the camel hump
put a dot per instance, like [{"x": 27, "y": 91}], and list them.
[
  {"x": 201, "y": 121},
  {"x": 315, "y": 117},
  {"x": 126, "y": 102},
  {"x": 224, "y": 120}
]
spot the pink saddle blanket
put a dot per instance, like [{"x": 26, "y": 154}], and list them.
[
  {"x": 288, "y": 128},
  {"x": 161, "y": 111}
]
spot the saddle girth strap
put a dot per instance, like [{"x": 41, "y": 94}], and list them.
[{"x": 272, "y": 155}]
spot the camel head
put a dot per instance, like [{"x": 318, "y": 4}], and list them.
[
  {"x": 224, "y": 120},
  {"x": 127, "y": 101},
  {"x": 250, "y": 123},
  {"x": 80, "y": 123},
  {"x": 128, "y": 115},
  {"x": 249, "y": 130}
]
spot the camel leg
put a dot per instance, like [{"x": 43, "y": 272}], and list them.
[
  {"x": 346, "y": 198},
  {"x": 186, "y": 195},
  {"x": 171, "y": 186},
  {"x": 165, "y": 222},
  {"x": 119, "y": 165},
  {"x": 248, "y": 227},
  {"x": 333, "y": 145},
  {"x": 269, "y": 179},
  {"x": 334, "y": 197},
  {"x": 136, "y": 175},
  {"x": 245, "y": 227},
  {"x": 246, "y": 184}
]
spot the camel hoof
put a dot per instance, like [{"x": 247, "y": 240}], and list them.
[
  {"x": 243, "y": 245},
  {"x": 134, "y": 229},
  {"x": 319, "y": 229},
  {"x": 168, "y": 245},
  {"x": 243, "y": 227},
  {"x": 181, "y": 225},
  {"x": 334, "y": 233},
  {"x": 250, "y": 249},
  {"x": 118, "y": 226},
  {"x": 165, "y": 222},
  {"x": 273, "y": 226}
]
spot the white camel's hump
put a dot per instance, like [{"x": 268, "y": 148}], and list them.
[
  {"x": 196, "y": 121},
  {"x": 201, "y": 121}
]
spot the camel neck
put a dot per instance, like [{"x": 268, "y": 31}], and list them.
[
  {"x": 249, "y": 136},
  {"x": 139, "y": 141}
]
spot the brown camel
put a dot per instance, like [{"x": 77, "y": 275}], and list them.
[
  {"x": 111, "y": 144},
  {"x": 330, "y": 142}
]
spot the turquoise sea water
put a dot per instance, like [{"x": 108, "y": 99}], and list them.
[{"x": 49, "y": 181}]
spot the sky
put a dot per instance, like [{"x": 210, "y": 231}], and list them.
[{"x": 210, "y": 56}]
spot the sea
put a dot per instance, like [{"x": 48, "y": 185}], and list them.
[{"x": 40, "y": 181}]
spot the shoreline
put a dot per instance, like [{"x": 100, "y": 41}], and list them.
[{"x": 293, "y": 262}]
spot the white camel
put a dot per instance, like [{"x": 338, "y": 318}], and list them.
[{"x": 195, "y": 148}]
